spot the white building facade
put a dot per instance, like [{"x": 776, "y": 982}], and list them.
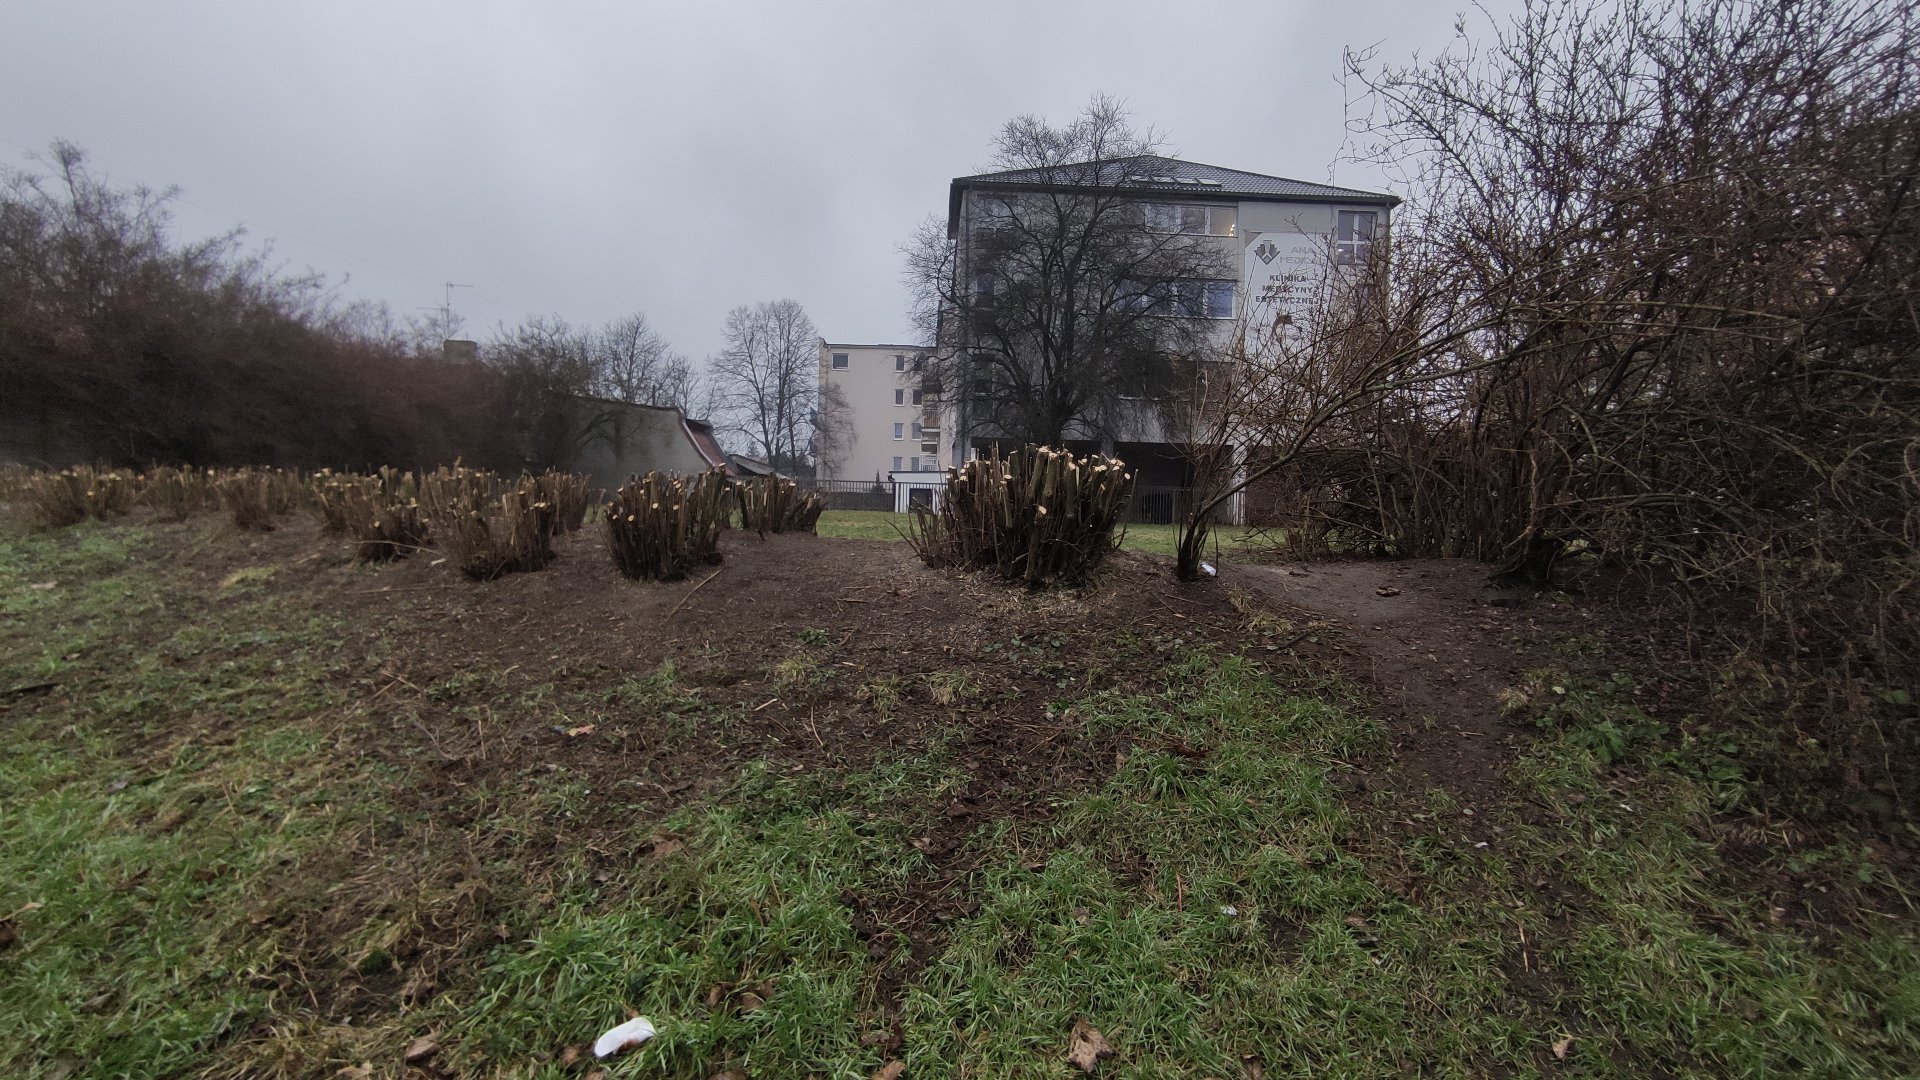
[
  {"x": 876, "y": 417},
  {"x": 1279, "y": 240}
]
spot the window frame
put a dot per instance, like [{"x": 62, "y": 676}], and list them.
[
  {"x": 1173, "y": 218},
  {"x": 1349, "y": 249},
  {"x": 900, "y": 432},
  {"x": 837, "y": 361}
]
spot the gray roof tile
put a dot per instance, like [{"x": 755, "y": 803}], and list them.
[{"x": 1170, "y": 175}]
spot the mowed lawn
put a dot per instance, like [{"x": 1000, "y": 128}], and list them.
[
  {"x": 251, "y": 825},
  {"x": 1147, "y": 539}
]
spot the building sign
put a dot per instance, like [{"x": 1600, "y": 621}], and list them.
[{"x": 1284, "y": 274}]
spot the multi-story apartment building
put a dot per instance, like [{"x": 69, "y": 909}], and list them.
[
  {"x": 1260, "y": 248},
  {"x": 876, "y": 415}
]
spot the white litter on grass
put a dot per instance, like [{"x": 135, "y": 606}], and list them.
[
  {"x": 1207, "y": 569},
  {"x": 632, "y": 1033},
  {"x": 1229, "y": 909}
]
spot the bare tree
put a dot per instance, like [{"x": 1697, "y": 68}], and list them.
[
  {"x": 549, "y": 366},
  {"x": 767, "y": 377},
  {"x": 634, "y": 363},
  {"x": 833, "y": 433},
  {"x": 1057, "y": 303}
]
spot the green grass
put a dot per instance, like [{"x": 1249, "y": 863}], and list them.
[
  {"x": 1148, "y": 539},
  {"x": 189, "y": 833}
]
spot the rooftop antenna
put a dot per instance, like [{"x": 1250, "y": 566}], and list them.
[{"x": 446, "y": 311}]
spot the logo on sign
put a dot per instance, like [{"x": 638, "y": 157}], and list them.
[{"x": 1266, "y": 251}]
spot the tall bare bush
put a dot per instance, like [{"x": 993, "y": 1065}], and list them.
[{"x": 1650, "y": 299}]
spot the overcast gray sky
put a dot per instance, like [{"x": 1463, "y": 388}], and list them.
[{"x": 593, "y": 159}]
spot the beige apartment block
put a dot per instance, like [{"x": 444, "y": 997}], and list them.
[{"x": 876, "y": 417}]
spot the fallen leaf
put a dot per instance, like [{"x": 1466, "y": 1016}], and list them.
[
  {"x": 41, "y": 586},
  {"x": 419, "y": 988},
  {"x": 890, "y": 1071},
  {"x": 1256, "y": 1068},
  {"x": 362, "y": 1071},
  {"x": 576, "y": 732},
  {"x": 1560, "y": 1048},
  {"x": 1386, "y": 590},
  {"x": 8, "y": 935},
  {"x": 1087, "y": 1046},
  {"x": 422, "y": 1048}
]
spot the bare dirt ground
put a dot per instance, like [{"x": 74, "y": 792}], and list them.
[{"x": 1439, "y": 645}]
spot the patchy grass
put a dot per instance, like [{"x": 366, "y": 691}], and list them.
[
  {"x": 864, "y": 524},
  {"x": 223, "y": 855},
  {"x": 1147, "y": 539}
]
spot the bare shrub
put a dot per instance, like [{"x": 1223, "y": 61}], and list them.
[
  {"x": 770, "y": 504},
  {"x": 1650, "y": 300},
  {"x": 256, "y": 498},
  {"x": 486, "y": 528},
  {"x": 384, "y": 529},
  {"x": 380, "y": 511},
  {"x": 175, "y": 494},
  {"x": 570, "y": 494},
  {"x": 71, "y": 496},
  {"x": 1040, "y": 516},
  {"x": 658, "y": 527}
]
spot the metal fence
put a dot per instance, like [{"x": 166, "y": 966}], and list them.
[{"x": 852, "y": 494}]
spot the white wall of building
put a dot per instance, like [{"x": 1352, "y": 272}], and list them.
[{"x": 878, "y": 385}]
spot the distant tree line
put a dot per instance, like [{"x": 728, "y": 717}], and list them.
[{"x": 121, "y": 343}]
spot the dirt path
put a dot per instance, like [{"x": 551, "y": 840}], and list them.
[{"x": 1440, "y": 645}]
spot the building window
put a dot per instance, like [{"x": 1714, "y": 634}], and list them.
[
  {"x": 896, "y": 464},
  {"x": 839, "y": 359},
  {"x": 995, "y": 213},
  {"x": 899, "y": 362},
  {"x": 899, "y": 431},
  {"x": 1353, "y": 236},
  {"x": 1198, "y": 220},
  {"x": 983, "y": 289},
  {"x": 918, "y": 431},
  {"x": 916, "y": 464},
  {"x": 916, "y": 397},
  {"x": 900, "y": 397},
  {"x": 1184, "y": 299},
  {"x": 1220, "y": 299}
]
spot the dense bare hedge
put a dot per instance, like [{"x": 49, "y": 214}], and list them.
[
  {"x": 121, "y": 344},
  {"x": 1654, "y": 302}
]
